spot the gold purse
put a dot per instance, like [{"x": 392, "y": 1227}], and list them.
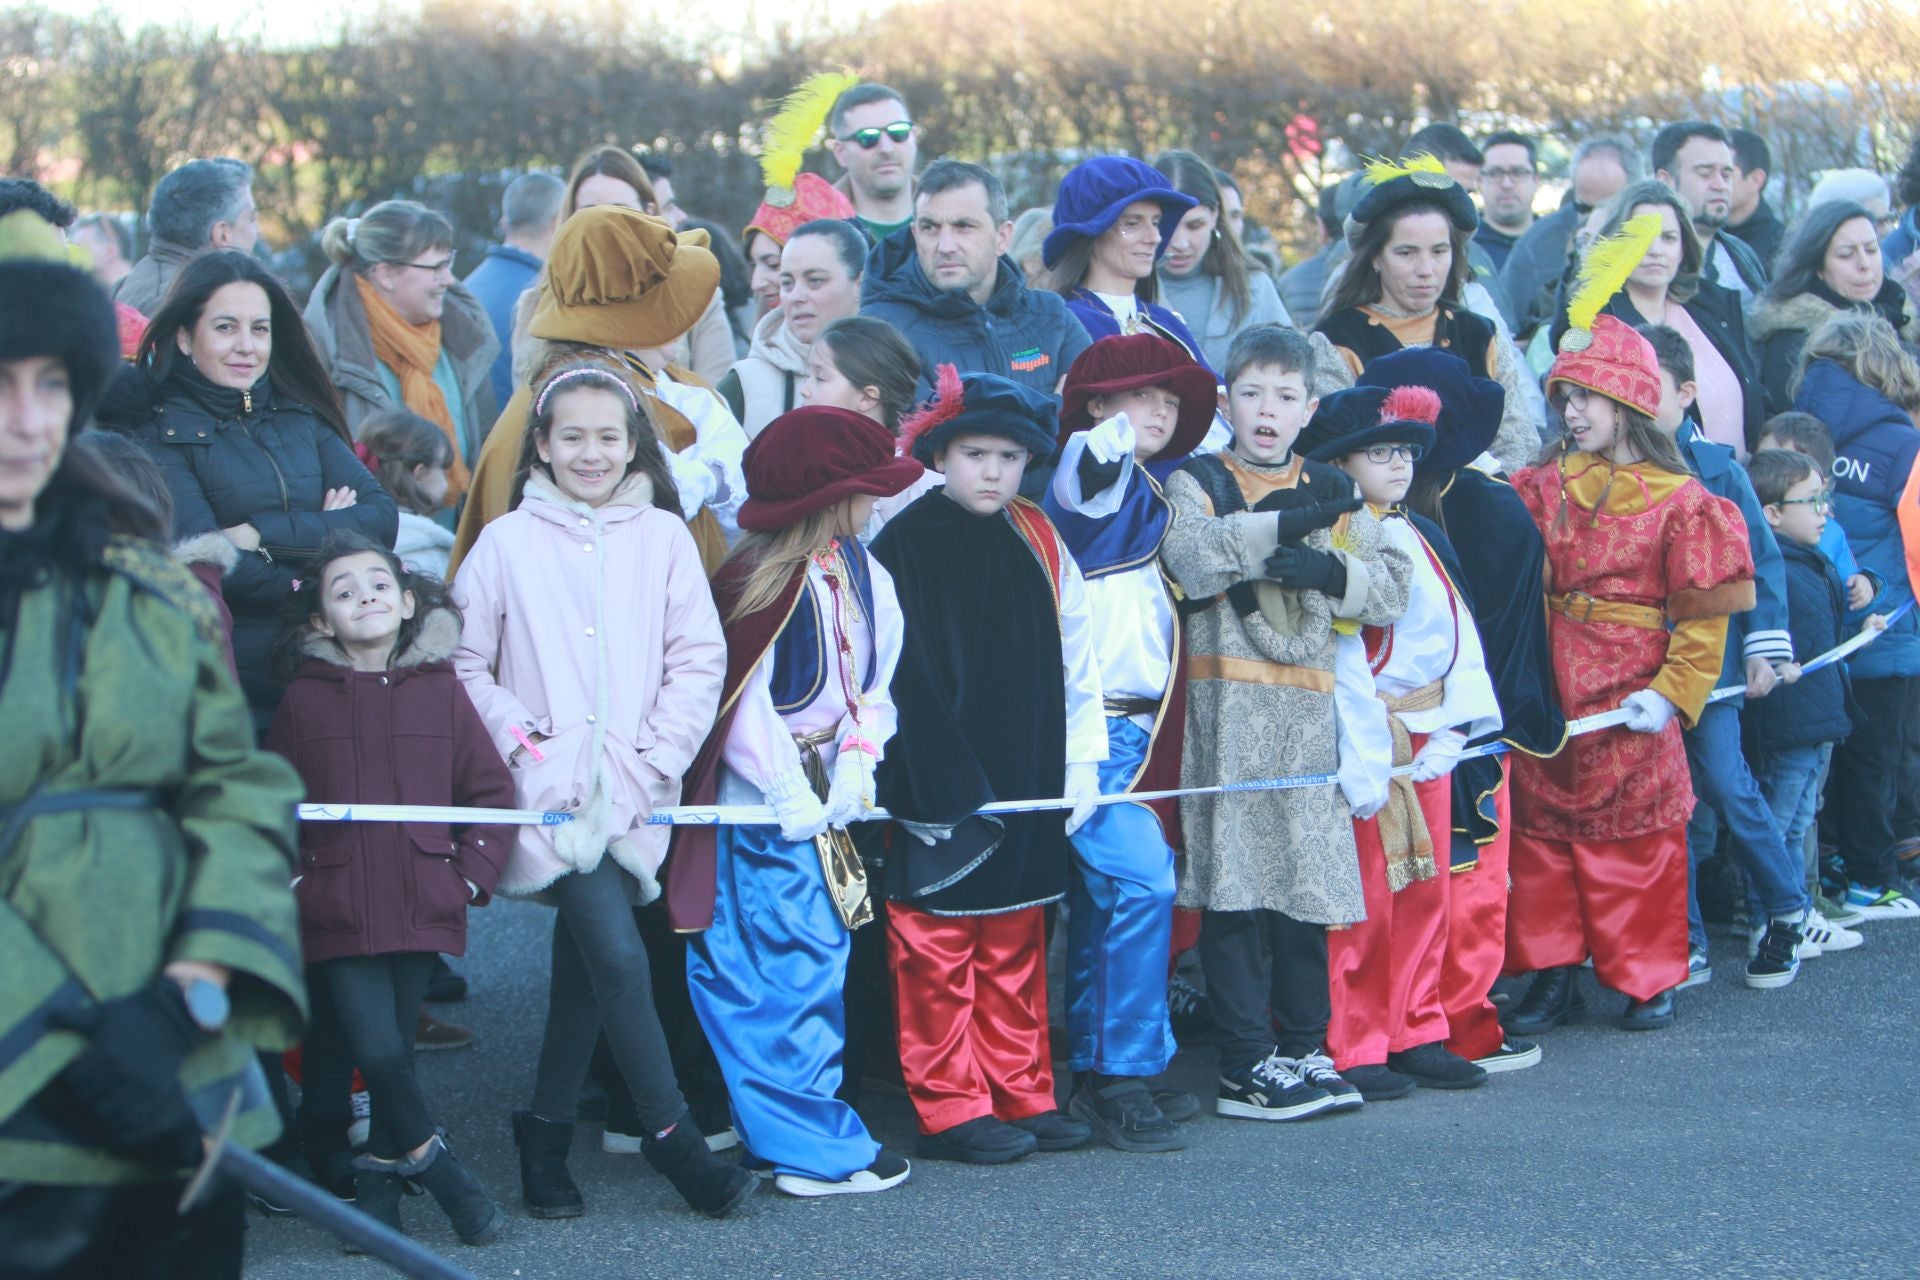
[{"x": 840, "y": 863}]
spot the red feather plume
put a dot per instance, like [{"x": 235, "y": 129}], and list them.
[
  {"x": 949, "y": 397},
  {"x": 1411, "y": 404}
]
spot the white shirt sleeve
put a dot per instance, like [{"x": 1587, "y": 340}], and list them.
[
  {"x": 719, "y": 443},
  {"x": 1066, "y": 482},
  {"x": 1086, "y": 712}
]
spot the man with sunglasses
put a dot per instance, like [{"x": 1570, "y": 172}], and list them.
[{"x": 877, "y": 143}]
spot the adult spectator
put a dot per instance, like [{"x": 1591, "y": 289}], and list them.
[
  {"x": 1831, "y": 265},
  {"x": 40, "y": 221},
  {"x": 820, "y": 269},
  {"x": 1305, "y": 283},
  {"x": 659, "y": 170},
  {"x": 1205, "y": 276},
  {"x": 766, "y": 235},
  {"x": 1901, "y": 248},
  {"x": 1509, "y": 181},
  {"x": 529, "y": 215},
  {"x": 1528, "y": 283},
  {"x": 1029, "y": 234},
  {"x": 1863, "y": 187},
  {"x": 1668, "y": 288},
  {"x": 1749, "y": 216},
  {"x": 946, "y": 284},
  {"x": 736, "y": 281},
  {"x": 232, "y": 401},
  {"x": 1451, "y": 147},
  {"x": 1695, "y": 158},
  {"x": 874, "y": 139},
  {"x": 202, "y": 204},
  {"x": 395, "y": 329},
  {"x": 1233, "y": 205},
  {"x": 109, "y": 243}
]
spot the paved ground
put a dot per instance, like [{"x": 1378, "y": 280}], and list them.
[{"x": 1768, "y": 1134}]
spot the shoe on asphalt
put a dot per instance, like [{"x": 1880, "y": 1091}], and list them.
[
  {"x": 1317, "y": 1070},
  {"x": 1378, "y": 1082},
  {"x": 445, "y": 986},
  {"x": 1833, "y": 876},
  {"x": 1123, "y": 1116},
  {"x": 361, "y": 1130},
  {"x": 981, "y": 1140},
  {"x": 1187, "y": 1009},
  {"x": 1882, "y": 904},
  {"x": 546, "y": 1187},
  {"x": 756, "y": 1166},
  {"x": 1699, "y": 972},
  {"x": 1056, "y": 1130},
  {"x": 888, "y": 1169},
  {"x": 1513, "y": 1055},
  {"x": 1827, "y": 935},
  {"x": 707, "y": 1183},
  {"x": 1434, "y": 1066},
  {"x": 1268, "y": 1090},
  {"x": 430, "y": 1033},
  {"x": 475, "y": 1217},
  {"x": 1176, "y": 1105},
  {"x": 1553, "y": 998},
  {"x": 1776, "y": 957},
  {"x": 378, "y": 1197},
  {"x": 1648, "y": 1015},
  {"x": 1837, "y": 911}
]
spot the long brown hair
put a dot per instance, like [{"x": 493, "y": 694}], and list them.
[
  {"x": 1225, "y": 260},
  {"x": 614, "y": 162},
  {"x": 649, "y": 455},
  {"x": 1360, "y": 282},
  {"x": 1070, "y": 273},
  {"x": 769, "y": 559}
]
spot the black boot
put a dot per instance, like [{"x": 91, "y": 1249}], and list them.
[
  {"x": 377, "y": 1194},
  {"x": 329, "y": 1155},
  {"x": 475, "y": 1217},
  {"x": 545, "y": 1185},
  {"x": 1648, "y": 1015},
  {"x": 1553, "y": 998},
  {"x": 714, "y": 1186}
]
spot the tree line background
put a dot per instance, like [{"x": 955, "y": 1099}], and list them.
[{"x": 444, "y": 102}]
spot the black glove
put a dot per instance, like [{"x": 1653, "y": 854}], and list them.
[
  {"x": 126, "y": 1083},
  {"x": 1296, "y": 522},
  {"x": 1307, "y": 569},
  {"x": 1096, "y": 476}
]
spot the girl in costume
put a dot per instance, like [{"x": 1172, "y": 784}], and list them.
[{"x": 863, "y": 364}]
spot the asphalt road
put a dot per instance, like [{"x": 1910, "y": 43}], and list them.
[{"x": 1767, "y": 1134}]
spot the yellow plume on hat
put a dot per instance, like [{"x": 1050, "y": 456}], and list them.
[
  {"x": 1380, "y": 170},
  {"x": 1608, "y": 263},
  {"x": 792, "y": 129},
  {"x": 25, "y": 234}
]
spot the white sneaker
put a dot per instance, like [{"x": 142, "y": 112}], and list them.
[
  {"x": 1824, "y": 935},
  {"x": 887, "y": 1170},
  {"x": 361, "y": 1129},
  {"x": 1699, "y": 972},
  {"x": 1807, "y": 950}
]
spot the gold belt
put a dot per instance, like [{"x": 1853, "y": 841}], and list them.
[{"x": 1581, "y": 607}]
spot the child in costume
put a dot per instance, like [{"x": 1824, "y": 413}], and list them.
[
  {"x": 998, "y": 695},
  {"x": 813, "y": 637},
  {"x": 863, "y": 364},
  {"x": 1425, "y": 694},
  {"x": 1645, "y": 566},
  {"x": 1128, "y": 401},
  {"x": 1273, "y": 552}
]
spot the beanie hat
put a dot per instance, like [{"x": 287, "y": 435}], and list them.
[
  {"x": 981, "y": 404},
  {"x": 812, "y": 198},
  {"x": 1470, "y": 406},
  {"x": 1114, "y": 365},
  {"x": 52, "y": 309},
  {"x": 620, "y": 278},
  {"x": 1618, "y": 363},
  {"x": 1360, "y": 417},
  {"x": 1096, "y": 192},
  {"x": 810, "y": 458},
  {"x": 1421, "y": 178}
]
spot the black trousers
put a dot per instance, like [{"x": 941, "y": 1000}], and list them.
[
  {"x": 1267, "y": 984},
  {"x": 1871, "y": 793},
  {"x": 694, "y": 1065},
  {"x": 364, "y": 1010},
  {"x": 131, "y": 1232}
]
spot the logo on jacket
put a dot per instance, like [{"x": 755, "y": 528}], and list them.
[{"x": 1030, "y": 359}]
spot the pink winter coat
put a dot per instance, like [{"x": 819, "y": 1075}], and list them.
[{"x": 594, "y": 626}]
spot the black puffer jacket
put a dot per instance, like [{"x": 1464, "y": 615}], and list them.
[
  {"x": 1819, "y": 707},
  {"x": 242, "y": 457}
]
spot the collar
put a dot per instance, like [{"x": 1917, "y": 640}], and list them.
[{"x": 518, "y": 256}]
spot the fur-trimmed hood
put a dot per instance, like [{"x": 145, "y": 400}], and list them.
[
  {"x": 210, "y": 548},
  {"x": 435, "y": 641},
  {"x": 1803, "y": 311}
]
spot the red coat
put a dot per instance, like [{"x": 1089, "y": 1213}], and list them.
[{"x": 409, "y": 735}]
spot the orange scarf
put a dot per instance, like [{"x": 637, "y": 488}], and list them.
[{"x": 413, "y": 352}]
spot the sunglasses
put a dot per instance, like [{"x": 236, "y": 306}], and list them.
[
  {"x": 1384, "y": 453},
  {"x": 868, "y": 139}
]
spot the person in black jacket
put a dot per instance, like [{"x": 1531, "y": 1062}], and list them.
[{"x": 229, "y": 397}]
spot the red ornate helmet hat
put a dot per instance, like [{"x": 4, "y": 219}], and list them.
[{"x": 1617, "y": 363}]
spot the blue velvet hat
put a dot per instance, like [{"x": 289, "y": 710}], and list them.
[
  {"x": 1094, "y": 194},
  {"x": 1470, "y": 406},
  {"x": 981, "y": 404}
]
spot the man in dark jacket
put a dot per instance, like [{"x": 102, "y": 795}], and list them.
[
  {"x": 529, "y": 217},
  {"x": 1749, "y": 216},
  {"x": 1531, "y": 275},
  {"x": 1696, "y": 159},
  {"x": 946, "y": 284},
  {"x": 204, "y": 204}
]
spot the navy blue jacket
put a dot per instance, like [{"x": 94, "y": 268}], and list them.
[
  {"x": 1760, "y": 632},
  {"x": 1814, "y": 709},
  {"x": 498, "y": 283}
]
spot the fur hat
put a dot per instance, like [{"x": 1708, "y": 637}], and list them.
[
  {"x": 811, "y": 199},
  {"x": 1470, "y": 406},
  {"x": 981, "y": 404},
  {"x": 1113, "y": 365},
  {"x": 52, "y": 309},
  {"x": 810, "y": 458},
  {"x": 1096, "y": 192},
  {"x": 1618, "y": 363},
  {"x": 1420, "y": 178},
  {"x": 1360, "y": 417},
  {"x": 617, "y": 277}
]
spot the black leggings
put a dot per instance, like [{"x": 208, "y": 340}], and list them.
[{"x": 365, "y": 1009}]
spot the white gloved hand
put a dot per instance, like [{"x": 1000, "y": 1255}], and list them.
[
  {"x": 925, "y": 834},
  {"x": 695, "y": 478},
  {"x": 850, "y": 796},
  {"x": 1437, "y": 758},
  {"x": 802, "y": 816},
  {"x": 1651, "y": 711},
  {"x": 1111, "y": 440},
  {"x": 1083, "y": 788}
]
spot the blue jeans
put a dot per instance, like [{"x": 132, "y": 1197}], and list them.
[
  {"x": 1790, "y": 779},
  {"x": 1724, "y": 788}
]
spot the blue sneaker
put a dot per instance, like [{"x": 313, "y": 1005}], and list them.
[{"x": 1882, "y": 904}]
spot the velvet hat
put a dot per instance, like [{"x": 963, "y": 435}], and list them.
[
  {"x": 981, "y": 404},
  {"x": 1393, "y": 185},
  {"x": 617, "y": 277},
  {"x": 809, "y": 458},
  {"x": 1618, "y": 363},
  {"x": 813, "y": 198},
  {"x": 1096, "y": 192},
  {"x": 1128, "y": 363},
  {"x": 1360, "y": 417},
  {"x": 1470, "y": 406}
]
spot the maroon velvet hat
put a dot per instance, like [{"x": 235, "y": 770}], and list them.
[
  {"x": 1114, "y": 365},
  {"x": 806, "y": 460}
]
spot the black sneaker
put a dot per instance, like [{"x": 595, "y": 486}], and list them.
[
  {"x": 1514, "y": 1054},
  {"x": 1056, "y": 1130},
  {"x": 1187, "y": 1009},
  {"x": 1124, "y": 1117},
  {"x": 889, "y": 1169},
  {"x": 981, "y": 1140},
  {"x": 1176, "y": 1105},
  {"x": 1268, "y": 1090},
  {"x": 1378, "y": 1082},
  {"x": 1433, "y": 1066},
  {"x": 1317, "y": 1069},
  {"x": 1648, "y": 1015},
  {"x": 1776, "y": 961}
]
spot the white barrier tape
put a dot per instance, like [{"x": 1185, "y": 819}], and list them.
[{"x": 762, "y": 816}]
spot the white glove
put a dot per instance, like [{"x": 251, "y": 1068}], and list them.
[
  {"x": 1083, "y": 788},
  {"x": 850, "y": 797},
  {"x": 1437, "y": 758},
  {"x": 695, "y": 478},
  {"x": 802, "y": 816},
  {"x": 1651, "y": 711},
  {"x": 1112, "y": 440},
  {"x": 927, "y": 835}
]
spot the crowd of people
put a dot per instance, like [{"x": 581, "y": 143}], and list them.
[{"x": 1472, "y": 583}]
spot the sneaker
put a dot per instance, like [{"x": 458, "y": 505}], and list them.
[
  {"x": 1807, "y": 950},
  {"x": 1187, "y": 1009},
  {"x": 1512, "y": 1055},
  {"x": 1378, "y": 1082},
  {"x": 361, "y": 1130},
  {"x": 1434, "y": 1066},
  {"x": 1176, "y": 1105},
  {"x": 1827, "y": 935},
  {"x": 1056, "y": 1130},
  {"x": 887, "y": 1170},
  {"x": 1833, "y": 877},
  {"x": 1837, "y": 911},
  {"x": 431, "y": 1033},
  {"x": 1776, "y": 959},
  {"x": 1123, "y": 1116},
  {"x": 981, "y": 1140},
  {"x": 1269, "y": 1091},
  {"x": 1882, "y": 904},
  {"x": 1317, "y": 1070},
  {"x": 1699, "y": 972}
]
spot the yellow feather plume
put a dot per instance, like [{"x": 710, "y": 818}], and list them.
[
  {"x": 1609, "y": 261},
  {"x": 1381, "y": 170},
  {"x": 792, "y": 129}
]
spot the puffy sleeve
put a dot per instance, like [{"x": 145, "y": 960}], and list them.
[
  {"x": 1206, "y": 553},
  {"x": 1709, "y": 577},
  {"x": 1519, "y": 436}
]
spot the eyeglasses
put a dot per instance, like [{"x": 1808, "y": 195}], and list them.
[
  {"x": 1497, "y": 176},
  {"x": 431, "y": 268},
  {"x": 1384, "y": 453},
  {"x": 1820, "y": 502},
  {"x": 868, "y": 139},
  {"x": 1578, "y": 397}
]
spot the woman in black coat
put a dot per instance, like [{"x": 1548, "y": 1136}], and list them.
[{"x": 229, "y": 397}]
